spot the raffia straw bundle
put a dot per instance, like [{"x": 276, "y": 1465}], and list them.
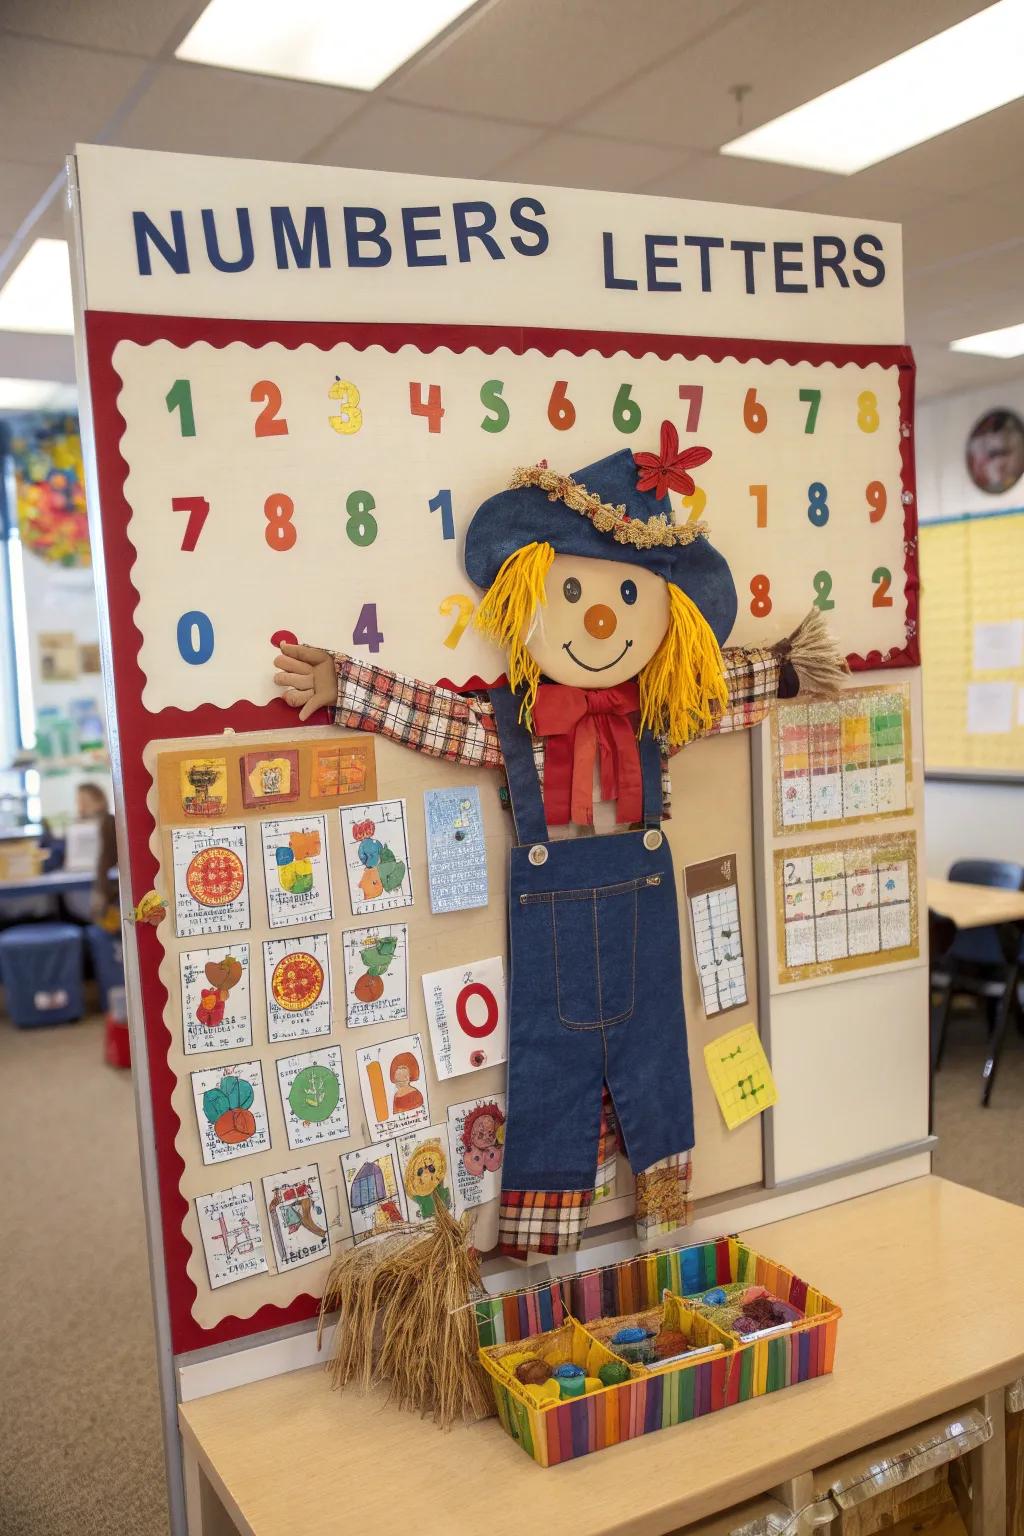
[{"x": 405, "y": 1319}]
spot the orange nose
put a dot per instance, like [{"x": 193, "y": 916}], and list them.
[{"x": 600, "y": 621}]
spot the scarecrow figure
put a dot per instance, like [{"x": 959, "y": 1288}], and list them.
[{"x": 612, "y": 617}]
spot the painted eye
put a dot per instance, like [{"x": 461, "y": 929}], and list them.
[
  {"x": 571, "y": 590},
  {"x": 628, "y": 591}
]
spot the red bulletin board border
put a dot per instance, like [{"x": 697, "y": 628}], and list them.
[{"x": 136, "y": 725}]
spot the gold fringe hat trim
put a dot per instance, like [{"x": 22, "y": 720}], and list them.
[{"x": 656, "y": 533}]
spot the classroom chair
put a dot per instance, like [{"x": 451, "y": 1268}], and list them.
[
  {"x": 107, "y": 960},
  {"x": 983, "y": 963},
  {"x": 41, "y": 968}
]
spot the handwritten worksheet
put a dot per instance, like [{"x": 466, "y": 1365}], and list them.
[
  {"x": 456, "y": 852},
  {"x": 714, "y": 903}
]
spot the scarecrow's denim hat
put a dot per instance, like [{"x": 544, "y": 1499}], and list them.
[{"x": 615, "y": 509}]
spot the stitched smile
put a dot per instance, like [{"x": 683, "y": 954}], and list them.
[{"x": 627, "y": 647}]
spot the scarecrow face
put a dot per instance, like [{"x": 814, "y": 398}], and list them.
[{"x": 603, "y": 621}]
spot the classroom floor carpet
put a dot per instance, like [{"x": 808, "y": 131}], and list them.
[{"x": 80, "y": 1450}]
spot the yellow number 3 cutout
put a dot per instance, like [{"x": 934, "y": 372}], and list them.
[
  {"x": 448, "y": 605},
  {"x": 695, "y": 503},
  {"x": 350, "y": 417}
]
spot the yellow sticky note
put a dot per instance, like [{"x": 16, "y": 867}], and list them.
[{"x": 740, "y": 1075}]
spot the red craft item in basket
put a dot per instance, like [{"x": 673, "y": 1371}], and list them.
[{"x": 117, "y": 1049}]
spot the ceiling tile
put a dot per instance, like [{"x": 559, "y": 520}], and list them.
[
  {"x": 389, "y": 136},
  {"x": 785, "y": 51},
  {"x": 869, "y": 195},
  {"x": 962, "y": 229},
  {"x": 25, "y": 355},
  {"x": 967, "y": 159},
  {"x": 941, "y": 372},
  {"x": 138, "y": 26},
  {"x": 194, "y": 109},
  {"x": 541, "y": 61},
  {"x": 52, "y": 96},
  {"x": 581, "y": 160},
  {"x": 717, "y": 179},
  {"x": 21, "y": 187}
]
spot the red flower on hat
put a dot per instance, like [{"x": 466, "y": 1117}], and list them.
[{"x": 667, "y": 471}]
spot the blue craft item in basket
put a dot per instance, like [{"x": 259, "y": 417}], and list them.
[
  {"x": 715, "y": 1298},
  {"x": 41, "y": 966},
  {"x": 633, "y": 1344},
  {"x": 564, "y": 1372}
]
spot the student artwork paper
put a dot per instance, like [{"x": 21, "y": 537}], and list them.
[
  {"x": 990, "y": 708},
  {"x": 714, "y": 903},
  {"x": 297, "y": 973},
  {"x": 376, "y": 974},
  {"x": 231, "y": 1111},
  {"x": 845, "y": 906},
  {"x": 211, "y": 882},
  {"x": 456, "y": 852},
  {"x": 466, "y": 1016},
  {"x": 376, "y": 856},
  {"x": 215, "y": 1003},
  {"x": 297, "y": 873},
  {"x": 476, "y": 1133},
  {"x": 740, "y": 1075},
  {"x": 297, "y": 1216},
  {"x": 313, "y": 1097},
  {"x": 229, "y": 1224},
  {"x": 373, "y": 1189},
  {"x": 425, "y": 1168},
  {"x": 842, "y": 760},
  {"x": 392, "y": 1084}
]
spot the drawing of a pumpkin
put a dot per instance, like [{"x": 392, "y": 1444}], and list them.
[
  {"x": 227, "y": 1108},
  {"x": 234, "y": 1126},
  {"x": 368, "y": 988}
]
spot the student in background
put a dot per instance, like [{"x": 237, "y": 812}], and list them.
[{"x": 92, "y": 805}]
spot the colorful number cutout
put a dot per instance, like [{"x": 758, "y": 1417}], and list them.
[
  {"x": 198, "y": 509},
  {"x": 867, "y": 411},
  {"x": 431, "y": 407},
  {"x": 755, "y": 417},
  {"x": 883, "y": 581},
  {"x": 195, "y": 637},
  {"x": 760, "y": 597},
  {"x": 812, "y": 399},
  {"x": 490, "y": 399},
  {"x": 349, "y": 417},
  {"x": 817, "y": 504},
  {"x": 442, "y": 503},
  {"x": 490, "y": 1023},
  {"x": 366, "y": 631},
  {"x": 626, "y": 413},
  {"x": 760, "y": 495},
  {"x": 280, "y": 534},
  {"x": 361, "y": 526},
  {"x": 561, "y": 411},
  {"x": 465, "y": 606},
  {"x": 269, "y": 423},
  {"x": 877, "y": 500},
  {"x": 823, "y": 591},
  {"x": 693, "y": 394},
  {"x": 179, "y": 398},
  {"x": 695, "y": 503}
]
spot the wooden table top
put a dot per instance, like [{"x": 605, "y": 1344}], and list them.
[
  {"x": 975, "y": 906},
  {"x": 288, "y": 1455}
]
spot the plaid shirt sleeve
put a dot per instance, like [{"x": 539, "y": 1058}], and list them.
[
  {"x": 436, "y": 721},
  {"x": 753, "y": 677}
]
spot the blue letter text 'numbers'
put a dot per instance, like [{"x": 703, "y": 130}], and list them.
[
  {"x": 195, "y": 638},
  {"x": 817, "y": 504},
  {"x": 442, "y": 503}
]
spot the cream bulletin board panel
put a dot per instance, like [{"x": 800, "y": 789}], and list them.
[
  {"x": 972, "y": 635},
  {"x": 711, "y": 799}
]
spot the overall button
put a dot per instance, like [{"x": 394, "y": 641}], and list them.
[
  {"x": 539, "y": 854},
  {"x": 652, "y": 839}
]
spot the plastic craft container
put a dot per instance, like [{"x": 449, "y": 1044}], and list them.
[{"x": 724, "y": 1369}]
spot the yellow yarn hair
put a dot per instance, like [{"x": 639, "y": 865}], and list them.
[
  {"x": 683, "y": 687},
  {"x": 507, "y": 612}
]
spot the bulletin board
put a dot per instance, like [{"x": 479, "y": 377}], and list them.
[
  {"x": 973, "y": 636},
  {"x": 268, "y": 468}
]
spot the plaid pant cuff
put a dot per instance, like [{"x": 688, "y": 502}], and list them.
[
  {"x": 542, "y": 1220},
  {"x": 663, "y": 1196}
]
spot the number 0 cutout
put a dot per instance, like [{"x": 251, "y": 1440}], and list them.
[{"x": 487, "y": 997}]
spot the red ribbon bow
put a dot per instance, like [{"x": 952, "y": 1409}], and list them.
[
  {"x": 667, "y": 472},
  {"x": 576, "y": 724}
]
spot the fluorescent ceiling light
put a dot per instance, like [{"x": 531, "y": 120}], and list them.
[
  {"x": 1008, "y": 342},
  {"x": 328, "y": 41},
  {"x": 37, "y": 295},
  {"x": 37, "y": 395},
  {"x": 951, "y": 78}
]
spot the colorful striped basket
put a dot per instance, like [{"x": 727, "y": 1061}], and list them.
[{"x": 651, "y": 1399}]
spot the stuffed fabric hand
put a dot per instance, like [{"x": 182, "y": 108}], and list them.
[{"x": 305, "y": 675}]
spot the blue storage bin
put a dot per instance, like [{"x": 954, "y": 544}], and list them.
[
  {"x": 41, "y": 968},
  {"x": 107, "y": 960}
]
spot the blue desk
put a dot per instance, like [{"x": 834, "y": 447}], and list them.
[{"x": 58, "y": 883}]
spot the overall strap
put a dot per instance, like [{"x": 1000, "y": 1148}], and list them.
[
  {"x": 523, "y": 783},
  {"x": 650, "y": 768}
]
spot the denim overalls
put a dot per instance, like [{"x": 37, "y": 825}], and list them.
[{"x": 595, "y": 985}]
